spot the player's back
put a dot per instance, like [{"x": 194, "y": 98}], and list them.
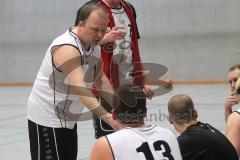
[
  {"x": 202, "y": 141},
  {"x": 148, "y": 143}
]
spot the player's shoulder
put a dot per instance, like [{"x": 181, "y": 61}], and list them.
[
  {"x": 121, "y": 133},
  {"x": 157, "y": 128},
  {"x": 234, "y": 116},
  {"x": 101, "y": 149},
  {"x": 132, "y": 8},
  {"x": 128, "y": 131},
  {"x": 190, "y": 136},
  {"x": 186, "y": 142},
  {"x": 164, "y": 130},
  {"x": 130, "y": 4},
  {"x": 66, "y": 36},
  {"x": 102, "y": 141},
  {"x": 237, "y": 111},
  {"x": 160, "y": 132}
]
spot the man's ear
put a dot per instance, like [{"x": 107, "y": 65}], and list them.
[
  {"x": 81, "y": 24},
  {"x": 169, "y": 117},
  {"x": 114, "y": 114},
  {"x": 195, "y": 114}
]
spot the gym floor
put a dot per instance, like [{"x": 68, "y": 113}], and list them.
[{"x": 14, "y": 144}]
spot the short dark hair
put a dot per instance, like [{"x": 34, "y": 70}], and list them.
[
  {"x": 236, "y": 66},
  {"x": 130, "y": 104},
  {"x": 181, "y": 108},
  {"x": 84, "y": 12}
]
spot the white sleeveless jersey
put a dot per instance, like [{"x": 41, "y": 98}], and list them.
[
  {"x": 238, "y": 110},
  {"x": 51, "y": 102},
  {"x": 123, "y": 46},
  {"x": 151, "y": 143}
]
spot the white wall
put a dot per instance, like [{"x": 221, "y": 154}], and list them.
[{"x": 195, "y": 39}]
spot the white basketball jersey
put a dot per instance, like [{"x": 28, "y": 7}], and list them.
[
  {"x": 52, "y": 102},
  {"x": 151, "y": 143},
  {"x": 123, "y": 46},
  {"x": 238, "y": 110}
]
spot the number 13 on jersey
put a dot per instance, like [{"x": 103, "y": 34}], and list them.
[{"x": 160, "y": 147}]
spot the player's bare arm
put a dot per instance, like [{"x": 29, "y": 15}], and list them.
[
  {"x": 101, "y": 150},
  {"x": 105, "y": 88},
  {"x": 61, "y": 56},
  {"x": 233, "y": 130}
]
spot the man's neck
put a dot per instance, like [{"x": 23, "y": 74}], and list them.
[
  {"x": 113, "y": 4},
  {"x": 77, "y": 32},
  {"x": 182, "y": 127}
]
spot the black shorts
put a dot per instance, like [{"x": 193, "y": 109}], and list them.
[
  {"x": 101, "y": 128},
  {"x": 48, "y": 143}
]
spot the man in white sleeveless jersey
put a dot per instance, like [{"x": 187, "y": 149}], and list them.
[
  {"x": 136, "y": 140},
  {"x": 63, "y": 87}
]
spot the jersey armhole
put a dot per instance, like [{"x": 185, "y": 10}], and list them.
[
  {"x": 60, "y": 46},
  {"x": 110, "y": 147},
  {"x": 135, "y": 17},
  {"x": 237, "y": 111},
  {"x": 133, "y": 10}
]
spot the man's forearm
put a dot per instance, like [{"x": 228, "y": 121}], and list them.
[{"x": 105, "y": 88}]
